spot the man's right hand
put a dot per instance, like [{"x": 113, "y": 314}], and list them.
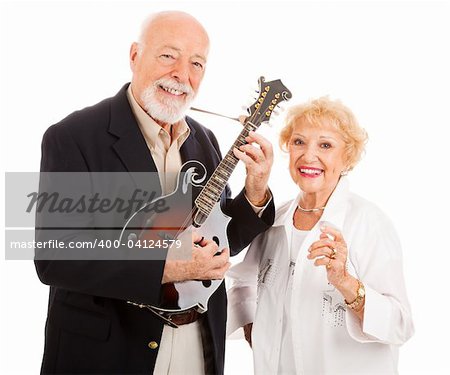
[{"x": 204, "y": 265}]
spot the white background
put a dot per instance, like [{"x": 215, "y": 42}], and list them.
[{"x": 388, "y": 61}]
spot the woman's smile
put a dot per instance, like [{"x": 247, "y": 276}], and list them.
[{"x": 310, "y": 172}]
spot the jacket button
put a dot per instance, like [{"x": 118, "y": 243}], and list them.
[{"x": 152, "y": 345}]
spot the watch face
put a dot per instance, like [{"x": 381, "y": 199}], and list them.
[{"x": 361, "y": 292}]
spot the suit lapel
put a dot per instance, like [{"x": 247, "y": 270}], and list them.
[
  {"x": 191, "y": 148},
  {"x": 130, "y": 145}
]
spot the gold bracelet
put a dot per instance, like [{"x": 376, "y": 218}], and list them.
[
  {"x": 264, "y": 201},
  {"x": 360, "y": 294}
]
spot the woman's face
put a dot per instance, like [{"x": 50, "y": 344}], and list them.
[{"x": 316, "y": 157}]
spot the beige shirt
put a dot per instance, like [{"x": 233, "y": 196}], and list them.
[{"x": 165, "y": 148}]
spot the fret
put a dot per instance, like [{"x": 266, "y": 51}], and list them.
[
  {"x": 212, "y": 190},
  {"x": 215, "y": 188},
  {"x": 250, "y": 125},
  {"x": 234, "y": 158},
  {"x": 222, "y": 178},
  {"x": 221, "y": 172},
  {"x": 231, "y": 162},
  {"x": 204, "y": 202},
  {"x": 217, "y": 179},
  {"x": 230, "y": 158},
  {"x": 219, "y": 186},
  {"x": 227, "y": 169},
  {"x": 227, "y": 163},
  {"x": 208, "y": 194},
  {"x": 230, "y": 166},
  {"x": 219, "y": 176},
  {"x": 203, "y": 209},
  {"x": 208, "y": 204}
]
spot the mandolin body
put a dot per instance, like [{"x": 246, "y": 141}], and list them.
[{"x": 166, "y": 223}]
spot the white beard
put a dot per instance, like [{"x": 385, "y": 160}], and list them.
[{"x": 163, "y": 109}]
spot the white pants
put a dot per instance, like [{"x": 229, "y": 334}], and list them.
[{"x": 181, "y": 351}]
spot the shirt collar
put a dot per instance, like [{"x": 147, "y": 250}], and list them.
[
  {"x": 334, "y": 212},
  {"x": 151, "y": 129}
]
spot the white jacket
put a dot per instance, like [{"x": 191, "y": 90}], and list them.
[{"x": 327, "y": 337}]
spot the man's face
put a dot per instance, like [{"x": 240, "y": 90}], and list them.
[{"x": 168, "y": 67}]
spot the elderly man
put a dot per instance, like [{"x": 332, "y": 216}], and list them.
[{"x": 90, "y": 327}]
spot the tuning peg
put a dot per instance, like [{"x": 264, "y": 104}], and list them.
[{"x": 246, "y": 108}]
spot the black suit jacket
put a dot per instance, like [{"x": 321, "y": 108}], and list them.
[{"x": 90, "y": 328}]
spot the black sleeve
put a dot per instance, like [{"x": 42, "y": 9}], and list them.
[{"x": 137, "y": 280}]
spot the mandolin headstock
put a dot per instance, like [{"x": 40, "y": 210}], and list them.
[{"x": 271, "y": 94}]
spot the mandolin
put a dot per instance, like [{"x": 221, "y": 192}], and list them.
[{"x": 173, "y": 227}]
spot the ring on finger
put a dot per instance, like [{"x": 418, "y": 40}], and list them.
[
  {"x": 329, "y": 264},
  {"x": 333, "y": 253}
]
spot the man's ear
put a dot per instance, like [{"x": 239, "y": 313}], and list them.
[{"x": 134, "y": 53}]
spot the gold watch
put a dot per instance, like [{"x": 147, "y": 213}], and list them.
[{"x": 360, "y": 293}]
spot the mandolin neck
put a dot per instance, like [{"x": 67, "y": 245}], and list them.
[{"x": 210, "y": 194}]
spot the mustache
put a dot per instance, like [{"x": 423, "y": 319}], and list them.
[{"x": 174, "y": 85}]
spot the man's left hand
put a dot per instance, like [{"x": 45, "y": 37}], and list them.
[{"x": 258, "y": 162}]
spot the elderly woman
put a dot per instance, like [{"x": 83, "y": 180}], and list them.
[{"x": 322, "y": 291}]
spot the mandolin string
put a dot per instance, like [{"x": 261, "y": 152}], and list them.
[{"x": 244, "y": 133}]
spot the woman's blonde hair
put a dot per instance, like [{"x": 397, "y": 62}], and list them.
[{"x": 324, "y": 111}]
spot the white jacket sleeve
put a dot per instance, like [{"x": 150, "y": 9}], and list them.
[
  {"x": 377, "y": 258},
  {"x": 242, "y": 294}
]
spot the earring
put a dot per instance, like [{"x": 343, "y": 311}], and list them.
[{"x": 344, "y": 173}]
